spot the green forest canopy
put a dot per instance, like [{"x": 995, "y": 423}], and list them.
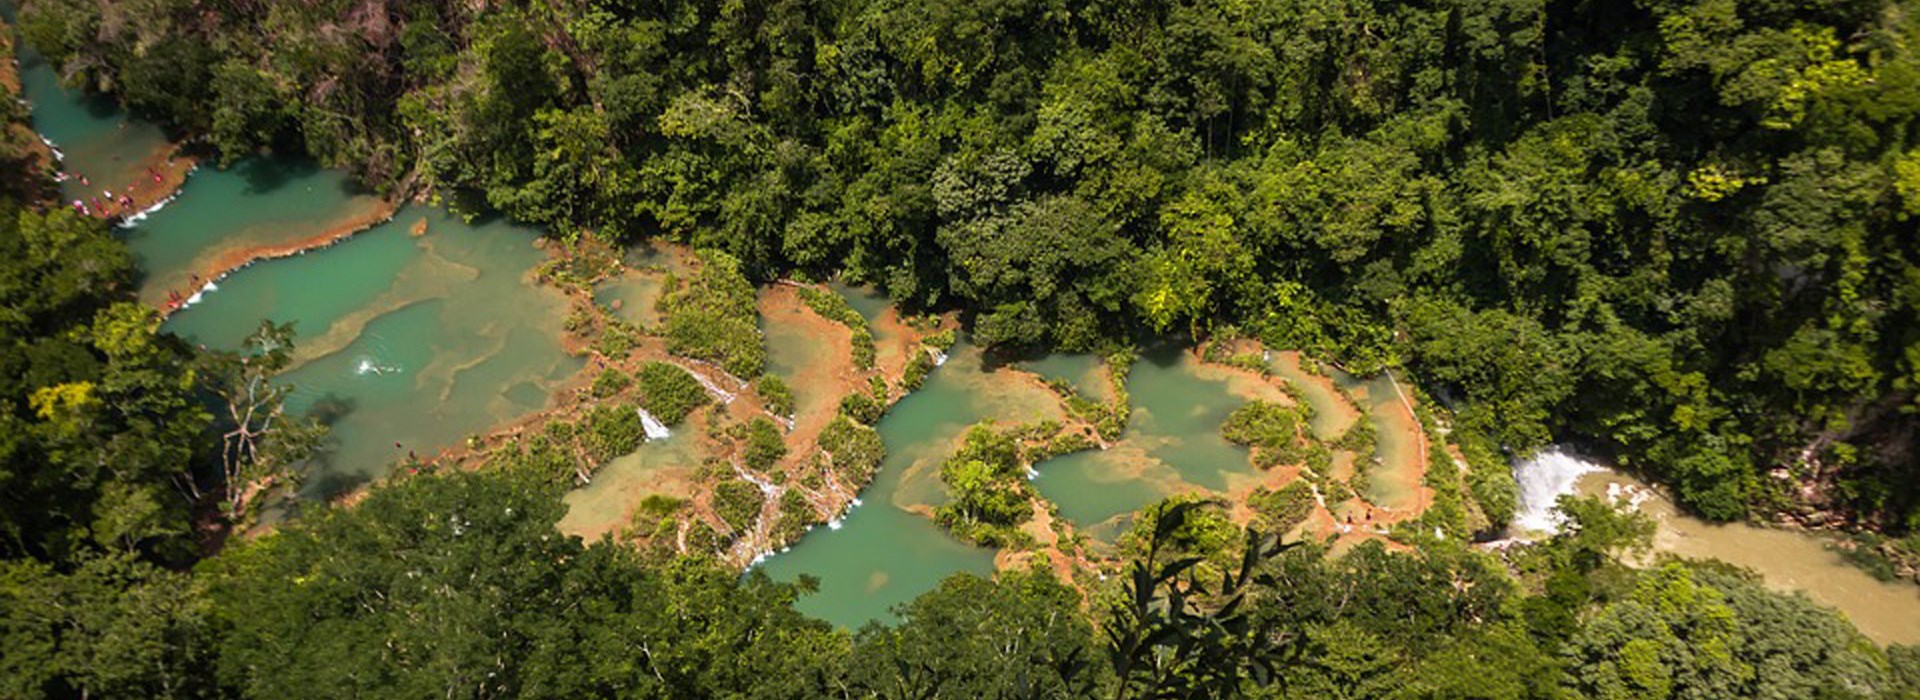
[
  {"x": 1678, "y": 230},
  {"x": 1681, "y": 231},
  {"x": 459, "y": 586}
]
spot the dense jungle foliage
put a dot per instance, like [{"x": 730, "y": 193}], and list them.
[
  {"x": 1681, "y": 231},
  {"x": 1677, "y": 230},
  {"x": 459, "y": 586}
]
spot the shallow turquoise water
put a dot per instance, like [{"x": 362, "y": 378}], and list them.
[
  {"x": 1171, "y": 445},
  {"x": 225, "y": 315},
  {"x": 1095, "y": 487},
  {"x": 1081, "y": 370},
  {"x": 408, "y": 344},
  {"x": 866, "y": 300},
  {"x": 883, "y": 554},
  {"x": 97, "y": 138},
  {"x": 220, "y": 213},
  {"x": 1180, "y": 414}
]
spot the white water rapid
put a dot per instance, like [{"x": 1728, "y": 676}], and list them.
[
  {"x": 1546, "y": 477},
  {"x": 655, "y": 429}
]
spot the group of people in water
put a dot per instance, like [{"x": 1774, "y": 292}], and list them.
[
  {"x": 175, "y": 300},
  {"x": 106, "y": 204}
]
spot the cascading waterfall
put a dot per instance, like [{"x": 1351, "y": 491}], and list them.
[
  {"x": 201, "y": 294},
  {"x": 725, "y": 397},
  {"x": 835, "y": 523},
  {"x": 771, "y": 491},
  {"x": 768, "y": 488},
  {"x": 654, "y": 428},
  {"x": 1543, "y": 480}
]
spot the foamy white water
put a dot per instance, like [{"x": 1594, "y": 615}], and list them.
[
  {"x": 723, "y": 395},
  {"x": 835, "y": 523},
  {"x": 368, "y": 366},
  {"x": 655, "y": 429},
  {"x": 142, "y": 215},
  {"x": 766, "y": 487},
  {"x": 1543, "y": 480},
  {"x": 197, "y": 296}
]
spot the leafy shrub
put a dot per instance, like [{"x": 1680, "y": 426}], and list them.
[
  {"x": 1273, "y": 431},
  {"x": 577, "y": 320},
  {"x": 831, "y": 306},
  {"x": 1317, "y": 458},
  {"x": 774, "y": 394},
  {"x": 611, "y": 381},
  {"x": 1359, "y": 439},
  {"x": 1204, "y": 532},
  {"x": 985, "y": 480},
  {"x": 702, "y": 539},
  {"x": 541, "y": 456},
  {"x": 1261, "y": 424},
  {"x": 1068, "y": 443},
  {"x": 916, "y": 372},
  {"x": 861, "y": 407},
  {"x": 1362, "y": 481},
  {"x": 613, "y": 430},
  {"x": 1281, "y": 510},
  {"x": 942, "y": 340},
  {"x": 669, "y": 392},
  {"x": 1448, "y": 509},
  {"x": 1489, "y": 479},
  {"x": 616, "y": 340},
  {"x": 857, "y": 450},
  {"x": 1250, "y": 361},
  {"x": 713, "y": 317},
  {"x": 1337, "y": 491},
  {"x": 1221, "y": 352},
  {"x": 764, "y": 444},
  {"x": 737, "y": 503},
  {"x": 796, "y": 514},
  {"x": 655, "y": 524},
  {"x": 863, "y": 350}
]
